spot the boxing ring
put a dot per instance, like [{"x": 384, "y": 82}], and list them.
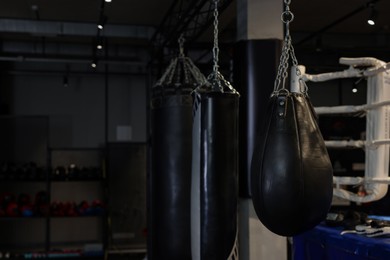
[{"x": 377, "y": 112}]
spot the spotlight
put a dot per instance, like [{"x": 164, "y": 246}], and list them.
[
  {"x": 65, "y": 81},
  {"x": 102, "y": 22},
  {"x": 318, "y": 44},
  {"x": 99, "y": 42},
  {"x": 93, "y": 64},
  {"x": 371, "y": 21},
  {"x": 354, "y": 90},
  {"x": 373, "y": 15},
  {"x": 107, "y": 1}
]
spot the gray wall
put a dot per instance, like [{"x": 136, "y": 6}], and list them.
[{"x": 77, "y": 112}]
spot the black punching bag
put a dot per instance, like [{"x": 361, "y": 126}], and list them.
[
  {"x": 291, "y": 173},
  {"x": 292, "y": 182},
  {"x": 169, "y": 228},
  {"x": 215, "y": 173}
]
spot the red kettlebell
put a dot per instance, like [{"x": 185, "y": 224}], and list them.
[
  {"x": 12, "y": 209},
  {"x": 83, "y": 208}
]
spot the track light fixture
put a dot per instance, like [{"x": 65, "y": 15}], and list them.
[
  {"x": 373, "y": 14},
  {"x": 102, "y": 22},
  {"x": 318, "y": 44},
  {"x": 65, "y": 78},
  {"x": 98, "y": 42},
  {"x": 65, "y": 81}
]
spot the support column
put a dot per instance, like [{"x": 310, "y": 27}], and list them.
[{"x": 256, "y": 57}]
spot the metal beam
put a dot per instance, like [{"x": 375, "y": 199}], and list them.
[
  {"x": 67, "y": 59},
  {"x": 53, "y": 29},
  {"x": 190, "y": 18}
]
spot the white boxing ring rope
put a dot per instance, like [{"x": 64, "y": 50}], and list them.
[{"x": 377, "y": 112}]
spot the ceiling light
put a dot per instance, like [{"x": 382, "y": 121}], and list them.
[
  {"x": 102, "y": 22},
  {"x": 99, "y": 46},
  {"x": 107, "y": 1},
  {"x": 318, "y": 44},
  {"x": 65, "y": 81},
  {"x": 354, "y": 90},
  {"x": 373, "y": 15},
  {"x": 93, "y": 64}
]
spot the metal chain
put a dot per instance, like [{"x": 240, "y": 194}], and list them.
[
  {"x": 287, "y": 51},
  {"x": 186, "y": 73},
  {"x": 182, "y": 70},
  {"x": 215, "y": 80},
  {"x": 196, "y": 73},
  {"x": 214, "y": 77},
  {"x": 167, "y": 77},
  {"x": 181, "y": 41},
  {"x": 215, "y": 48}
]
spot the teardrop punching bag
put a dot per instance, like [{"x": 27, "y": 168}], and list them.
[
  {"x": 169, "y": 231},
  {"x": 291, "y": 173},
  {"x": 214, "y": 195}
]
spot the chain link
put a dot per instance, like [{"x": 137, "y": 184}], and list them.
[
  {"x": 181, "y": 41},
  {"x": 216, "y": 80},
  {"x": 287, "y": 51},
  {"x": 215, "y": 47}
]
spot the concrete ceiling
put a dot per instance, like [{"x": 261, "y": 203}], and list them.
[
  {"x": 119, "y": 11},
  {"x": 343, "y": 20},
  {"x": 311, "y": 15}
]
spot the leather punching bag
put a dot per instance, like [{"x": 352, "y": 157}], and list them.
[
  {"x": 291, "y": 171},
  {"x": 169, "y": 230},
  {"x": 214, "y": 194}
]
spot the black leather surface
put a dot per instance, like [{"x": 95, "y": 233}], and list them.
[
  {"x": 218, "y": 174},
  {"x": 255, "y": 68},
  {"x": 170, "y": 185},
  {"x": 291, "y": 172}
]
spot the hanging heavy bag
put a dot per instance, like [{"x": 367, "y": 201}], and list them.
[
  {"x": 214, "y": 191},
  {"x": 169, "y": 231},
  {"x": 214, "y": 176},
  {"x": 291, "y": 173}
]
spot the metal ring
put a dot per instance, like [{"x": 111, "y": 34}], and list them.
[
  {"x": 280, "y": 91},
  {"x": 287, "y": 16}
]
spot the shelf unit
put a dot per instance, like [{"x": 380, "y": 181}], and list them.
[
  {"x": 25, "y": 143},
  {"x": 24, "y": 139},
  {"x": 126, "y": 165},
  {"x": 78, "y": 177},
  {"x": 29, "y": 165}
]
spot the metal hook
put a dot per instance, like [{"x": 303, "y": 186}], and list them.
[{"x": 181, "y": 41}]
